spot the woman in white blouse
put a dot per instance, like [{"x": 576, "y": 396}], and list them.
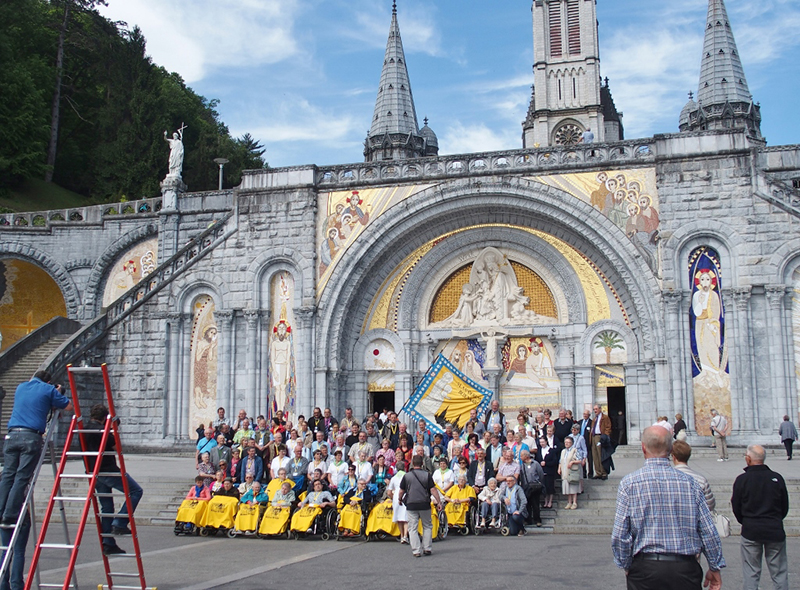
[{"x": 443, "y": 477}]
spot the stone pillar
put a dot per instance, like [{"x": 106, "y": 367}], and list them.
[
  {"x": 321, "y": 398},
  {"x": 403, "y": 386},
  {"x": 790, "y": 361},
  {"x": 680, "y": 358},
  {"x": 251, "y": 362},
  {"x": 263, "y": 382},
  {"x": 584, "y": 386},
  {"x": 744, "y": 407},
  {"x": 226, "y": 344},
  {"x": 304, "y": 358},
  {"x": 172, "y": 187},
  {"x": 184, "y": 399},
  {"x": 777, "y": 353},
  {"x": 173, "y": 373}
]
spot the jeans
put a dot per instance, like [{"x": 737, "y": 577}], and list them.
[
  {"x": 495, "y": 507},
  {"x": 777, "y": 563},
  {"x": 17, "y": 569},
  {"x": 414, "y": 517},
  {"x": 516, "y": 523},
  {"x": 104, "y": 485},
  {"x": 21, "y": 450}
]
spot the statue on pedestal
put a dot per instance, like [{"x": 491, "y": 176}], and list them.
[{"x": 175, "y": 151}]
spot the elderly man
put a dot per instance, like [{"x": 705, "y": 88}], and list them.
[
  {"x": 601, "y": 426},
  {"x": 340, "y": 446},
  {"x": 480, "y": 471},
  {"x": 495, "y": 416},
  {"x": 562, "y": 426},
  {"x": 427, "y": 464},
  {"x": 373, "y": 438},
  {"x": 681, "y": 451},
  {"x": 243, "y": 432},
  {"x": 391, "y": 430},
  {"x": 316, "y": 422},
  {"x": 360, "y": 445},
  {"x": 250, "y": 464},
  {"x": 586, "y": 433},
  {"x": 662, "y": 524},
  {"x": 348, "y": 420},
  {"x": 479, "y": 427},
  {"x": 495, "y": 451},
  {"x": 319, "y": 441},
  {"x": 719, "y": 428},
  {"x": 298, "y": 469},
  {"x": 760, "y": 502},
  {"x": 516, "y": 505},
  {"x": 205, "y": 444},
  {"x": 531, "y": 478},
  {"x": 221, "y": 452},
  {"x": 221, "y": 419},
  {"x": 507, "y": 466}
]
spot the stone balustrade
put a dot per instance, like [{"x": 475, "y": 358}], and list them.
[{"x": 88, "y": 215}]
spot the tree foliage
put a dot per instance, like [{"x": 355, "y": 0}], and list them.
[{"x": 115, "y": 105}]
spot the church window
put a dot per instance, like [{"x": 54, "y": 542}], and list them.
[
  {"x": 391, "y": 86},
  {"x": 389, "y": 114},
  {"x": 574, "y": 88},
  {"x": 796, "y": 182},
  {"x": 568, "y": 134},
  {"x": 555, "y": 29},
  {"x": 391, "y": 61},
  {"x": 402, "y": 86},
  {"x": 559, "y": 90},
  {"x": 574, "y": 27}
]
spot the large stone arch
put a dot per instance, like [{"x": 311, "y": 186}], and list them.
[
  {"x": 266, "y": 264},
  {"x": 463, "y": 203},
  {"x": 186, "y": 289},
  {"x": 93, "y": 298},
  {"x": 719, "y": 236},
  {"x": 57, "y": 272},
  {"x": 583, "y": 353}
]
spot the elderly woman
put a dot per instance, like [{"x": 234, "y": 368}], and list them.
[
  {"x": 518, "y": 445},
  {"x": 679, "y": 426},
  {"x": 443, "y": 476},
  {"x": 455, "y": 445},
  {"x": 398, "y": 510},
  {"x": 381, "y": 473},
  {"x": 569, "y": 468},
  {"x": 531, "y": 476},
  {"x": 206, "y": 469},
  {"x": 386, "y": 452},
  {"x": 486, "y": 441},
  {"x": 355, "y": 502},
  {"x": 548, "y": 459},
  {"x": 337, "y": 470},
  {"x": 458, "y": 499},
  {"x": 284, "y": 497},
  {"x": 254, "y": 495},
  {"x": 490, "y": 499}
]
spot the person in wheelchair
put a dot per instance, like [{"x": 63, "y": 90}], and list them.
[
  {"x": 355, "y": 506},
  {"x": 284, "y": 497},
  {"x": 458, "y": 500},
  {"x": 228, "y": 489},
  {"x": 480, "y": 471},
  {"x": 490, "y": 500},
  {"x": 276, "y": 484},
  {"x": 319, "y": 496},
  {"x": 255, "y": 495},
  {"x": 516, "y": 505},
  {"x": 310, "y": 515}
]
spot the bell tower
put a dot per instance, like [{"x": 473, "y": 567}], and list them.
[{"x": 568, "y": 95}]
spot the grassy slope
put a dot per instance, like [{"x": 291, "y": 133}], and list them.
[{"x": 37, "y": 195}]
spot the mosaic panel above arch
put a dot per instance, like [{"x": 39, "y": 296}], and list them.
[{"x": 130, "y": 268}]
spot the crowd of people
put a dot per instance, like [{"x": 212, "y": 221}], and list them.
[{"x": 491, "y": 454}]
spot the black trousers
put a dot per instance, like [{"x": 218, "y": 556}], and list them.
[
  {"x": 533, "y": 499},
  {"x": 665, "y": 575},
  {"x": 788, "y": 444}
]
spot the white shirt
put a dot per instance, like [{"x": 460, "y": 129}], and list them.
[
  {"x": 337, "y": 473},
  {"x": 443, "y": 479},
  {"x": 323, "y": 467},
  {"x": 364, "y": 471},
  {"x": 277, "y": 463},
  {"x": 596, "y": 429}
]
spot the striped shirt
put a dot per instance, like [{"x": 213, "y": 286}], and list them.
[{"x": 660, "y": 510}]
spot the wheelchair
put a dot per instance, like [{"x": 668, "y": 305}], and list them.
[
  {"x": 323, "y": 525},
  {"x": 365, "y": 510},
  {"x": 502, "y": 526},
  {"x": 275, "y": 522},
  {"x": 246, "y": 522},
  {"x": 220, "y": 516},
  {"x": 190, "y": 516}
]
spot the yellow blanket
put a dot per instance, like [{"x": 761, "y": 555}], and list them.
[
  {"x": 275, "y": 521},
  {"x": 221, "y": 512},
  {"x": 380, "y": 520},
  {"x": 350, "y": 518},
  {"x": 247, "y": 518},
  {"x": 457, "y": 513},
  {"x": 303, "y": 519},
  {"x": 192, "y": 511}
]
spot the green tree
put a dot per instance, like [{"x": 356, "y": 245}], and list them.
[{"x": 608, "y": 341}]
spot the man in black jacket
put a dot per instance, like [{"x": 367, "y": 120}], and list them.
[
  {"x": 760, "y": 502},
  {"x": 480, "y": 471}
]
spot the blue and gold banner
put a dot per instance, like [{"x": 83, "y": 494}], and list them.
[{"x": 446, "y": 395}]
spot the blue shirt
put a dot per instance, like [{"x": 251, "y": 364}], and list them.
[
  {"x": 33, "y": 401},
  {"x": 204, "y": 445},
  {"x": 661, "y": 510}
]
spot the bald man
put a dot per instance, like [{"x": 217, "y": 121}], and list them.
[
  {"x": 663, "y": 523},
  {"x": 760, "y": 502}
]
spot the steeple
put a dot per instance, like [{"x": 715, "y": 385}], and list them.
[
  {"x": 394, "y": 133},
  {"x": 723, "y": 98}
]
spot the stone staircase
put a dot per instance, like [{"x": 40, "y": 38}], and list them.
[{"x": 23, "y": 369}]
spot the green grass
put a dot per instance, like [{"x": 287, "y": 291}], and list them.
[{"x": 38, "y": 195}]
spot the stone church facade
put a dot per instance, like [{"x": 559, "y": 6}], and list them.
[{"x": 654, "y": 276}]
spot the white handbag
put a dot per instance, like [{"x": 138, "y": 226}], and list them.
[{"x": 723, "y": 524}]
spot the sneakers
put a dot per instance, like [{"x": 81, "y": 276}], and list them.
[
  {"x": 483, "y": 523},
  {"x": 113, "y": 550},
  {"x": 493, "y": 524},
  {"x": 121, "y": 530},
  {"x": 720, "y": 460}
]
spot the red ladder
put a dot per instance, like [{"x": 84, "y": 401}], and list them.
[{"x": 90, "y": 500}]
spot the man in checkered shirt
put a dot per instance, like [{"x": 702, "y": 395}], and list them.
[{"x": 663, "y": 524}]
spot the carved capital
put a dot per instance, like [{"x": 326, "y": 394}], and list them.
[
  {"x": 775, "y": 295},
  {"x": 305, "y": 315},
  {"x": 251, "y": 316},
  {"x": 673, "y": 300},
  {"x": 741, "y": 297},
  {"x": 173, "y": 316},
  {"x": 224, "y": 317}
]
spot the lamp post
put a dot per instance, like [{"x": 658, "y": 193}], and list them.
[{"x": 221, "y": 162}]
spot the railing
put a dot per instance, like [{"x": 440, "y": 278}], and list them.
[
  {"x": 782, "y": 195},
  {"x": 90, "y": 214},
  {"x": 81, "y": 343}
]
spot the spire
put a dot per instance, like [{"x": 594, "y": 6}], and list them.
[
  {"x": 721, "y": 73},
  {"x": 723, "y": 98},
  {"x": 394, "y": 133},
  {"x": 394, "y": 107}
]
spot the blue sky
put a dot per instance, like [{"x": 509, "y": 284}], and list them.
[{"x": 301, "y": 75}]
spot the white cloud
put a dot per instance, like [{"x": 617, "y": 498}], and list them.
[
  {"x": 194, "y": 38},
  {"x": 463, "y": 139}
]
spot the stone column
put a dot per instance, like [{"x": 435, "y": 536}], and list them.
[
  {"x": 777, "y": 353},
  {"x": 304, "y": 355},
  {"x": 184, "y": 399},
  {"x": 678, "y": 355},
  {"x": 173, "y": 373},
  {"x": 790, "y": 361},
  {"x": 745, "y": 413},
  {"x": 225, "y": 322},
  {"x": 262, "y": 399},
  {"x": 321, "y": 388},
  {"x": 251, "y": 362}
]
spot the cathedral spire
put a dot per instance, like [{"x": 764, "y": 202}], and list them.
[
  {"x": 723, "y": 97},
  {"x": 394, "y": 132},
  {"x": 721, "y": 73}
]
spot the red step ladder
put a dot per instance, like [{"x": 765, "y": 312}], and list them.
[{"x": 90, "y": 500}]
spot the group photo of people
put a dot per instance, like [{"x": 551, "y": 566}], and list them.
[{"x": 332, "y": 476}]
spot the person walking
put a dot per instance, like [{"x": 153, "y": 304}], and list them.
[
  {"x": 416, "y": 490},
  {"x": 788, "y": 434},
  {"x": 760, "y": 502},
  {"x": 601, "y": 426},
  {"x": 719, "y": 428},
  {"x": 663, "y": 523}
]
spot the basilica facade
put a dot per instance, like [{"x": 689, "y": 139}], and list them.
[{"x": 654, "y": 276}]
